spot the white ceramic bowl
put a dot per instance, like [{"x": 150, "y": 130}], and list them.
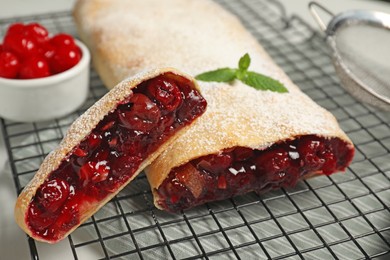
[{"x": 46, "y": 98}]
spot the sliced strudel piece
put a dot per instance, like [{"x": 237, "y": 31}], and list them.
[{"x": 106, "y": 148}]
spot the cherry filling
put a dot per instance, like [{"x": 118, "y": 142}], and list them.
[
  {"x": 111, "y": 154},
  {"x": 241, "y": 170}
]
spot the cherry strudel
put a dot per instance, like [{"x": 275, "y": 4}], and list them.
[
  {"x": 248, "y": 140},
  {"x": 105, "y": 148}
]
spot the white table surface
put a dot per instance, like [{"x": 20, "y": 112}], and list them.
[{"x": 13, "y": 243}]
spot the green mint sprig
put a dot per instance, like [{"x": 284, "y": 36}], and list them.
[{"x": 250, "y": 78}]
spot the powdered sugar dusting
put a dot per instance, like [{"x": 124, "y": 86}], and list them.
[{"x": 129, "y": 36}]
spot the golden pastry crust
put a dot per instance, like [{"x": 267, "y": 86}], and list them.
[
  {"x": 206, "y": 38},
  {"x": 76, "y": 133}
]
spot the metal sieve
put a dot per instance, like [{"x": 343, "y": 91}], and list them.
[{"x": 360, "y": 41}]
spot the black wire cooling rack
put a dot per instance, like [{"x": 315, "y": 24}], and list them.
[{"x": 344, "y": 216}]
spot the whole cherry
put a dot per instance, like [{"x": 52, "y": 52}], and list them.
[
  {"x": 53, "y": 194},
  {"x": 34, "y": 67},
  {"x": 142, "y": 115},
  {"x": 165, "y": 92},
  {"x": 64, "y": 58},
  {"x": 21, "y": 45},
  {"x": 63, "y": 40},
  {"x": 37, "y": 31},
  {"x": 9, "y": 65}
]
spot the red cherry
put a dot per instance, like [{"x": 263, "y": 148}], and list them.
[
  {"x": 102, "y": 170},
  {"x": 131, "y": 147},
  {"x": 64, "y": 59},
  {"x": 53, "y": 194},
  {"x": 46, "y": 50},
  {"x": 63, "y": 40},
  {"x": 166, "y": 93},
  {"x": 38, "y": 219},
  {"x": 101, "y": 154},
  {"x": 215, "y": 163},
  {"x": 125, "y": 164},
  {"x": 310, "y": 150},
  {"x": 34, "y": 67},
  {"x": 193, "y": 105},
  {"x": 273, "y": 161},
  {"x": 166, "y": 124},
  {"x": 1, "y": 47},
  {"x": 94, "y": 172},
  {"x": 143, "y": 114},
  {"x": 37, "y": 31},
  {"x": 94, "y": 140},
  {"x": 68, "y": 218},
  {"x": 21, "y": 45},
  {"x": 9, "y": 65},
  {"x": 16, "y": 28},
  {"x": 86, "y": 172}
]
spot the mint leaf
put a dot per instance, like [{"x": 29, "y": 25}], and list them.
[
  {"x": 262, "y": 82},
  {"x": 244, "y": 62},
  {"x": 250, "y": 78},
  {"x": 219, "y": 75},
  {"x": 241, "y": 74}
]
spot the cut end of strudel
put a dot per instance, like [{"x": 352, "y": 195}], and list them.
[
  {"x": 106, "y": 148},
  {"x": 247, "y": 140}
]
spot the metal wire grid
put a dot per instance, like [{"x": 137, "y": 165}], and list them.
[{"x": 345, "y": 216}]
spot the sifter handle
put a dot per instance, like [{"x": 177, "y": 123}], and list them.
[{"x": 312, "y": 7}]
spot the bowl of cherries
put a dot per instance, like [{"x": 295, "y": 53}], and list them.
[{"x": 42, "y": 76}]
